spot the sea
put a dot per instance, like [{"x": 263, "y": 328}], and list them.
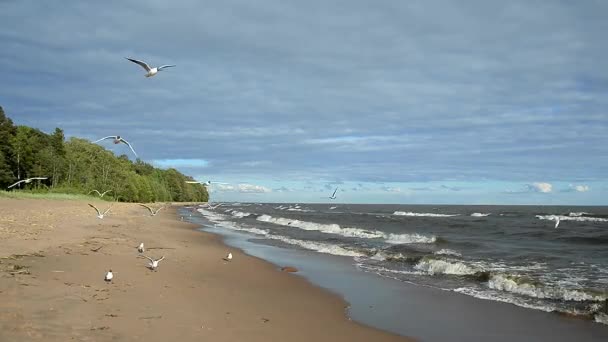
[{"x": 507, "y": 254}]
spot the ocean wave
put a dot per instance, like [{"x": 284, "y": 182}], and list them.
[
  {"x": 571, "y": 218},
  {"x": 440, "y": 266},
  {"x": 446, "y": 251},
  {"x": 601, "y": 318},
  {"x": 239, "y": 214},
  {"x": 409, "y": 213},
  {"x": 491, "y": 295},
  {"x": 480, "y": 214},
  {"x": 334, "y": 228},
  {"x": 409, "y": 238},
  {"x": 577, "y": 214},
  {"x": 300, "y": 210},
  {"x": 320, "y": 247},
  {"x": 524, "y": 287}
]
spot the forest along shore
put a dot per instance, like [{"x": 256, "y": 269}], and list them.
[{"x": 54, "y": 255}]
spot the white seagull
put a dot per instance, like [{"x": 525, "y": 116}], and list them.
[
  {"x": 151, "y": 71},
  {"x": 205, "y": 183},
  {"x": 117, "y": 140},
  {"x": 210, "y": 207},
  {"x": 27, "y": 181},
  {"x": 100, "y": 215},
  {"x": 556, "y": 222},
  {"x": 98, "y": 193},
  {"x": 228, "y": 257},
  {"x": 109, "y": 276},
  {"x": 333, "y": 196},
  {"x": 141, "y": 248},
  {"x": 153, "y": 263},
  {"x": 152, "y": 211}
]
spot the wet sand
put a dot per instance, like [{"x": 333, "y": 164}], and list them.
[{"x": 54, "y": 255}]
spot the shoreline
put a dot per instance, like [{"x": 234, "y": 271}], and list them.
[{"x": 52, "y": 287}]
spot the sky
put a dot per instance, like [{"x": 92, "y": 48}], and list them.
[{"x": 390, "y": 101}]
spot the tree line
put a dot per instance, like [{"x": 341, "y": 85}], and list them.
[{"x": 77, "y": 166}]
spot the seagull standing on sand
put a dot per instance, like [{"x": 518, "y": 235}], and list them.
[
  {"x": 151, "y": 71},
  {"x": 100, "y": 215},
  {"x": 109, "y": 276},
  {"x": 98, "y": 193},
  {"x": 152, "y": 211},
  {"x": 27, "y": 181},
  {"x": 228, "y": 257},
  {"x": 153, "y": 263},
  {"x": 556, "y": 222},
  {"x": 117, "y": 140},
  {"x": 333, "y": 196},
  {"x": 141, "y": 248}
]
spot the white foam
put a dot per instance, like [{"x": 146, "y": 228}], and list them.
[
  {"x": 317, "y": 246},
  {"x": 398, "y": 239},
  {"x": 409, "y": 213},
  {"x": 491, "y": 295},
  {"x": 571, "y": 218},
  {"x": 576, "y": 214},
  {"x": 503, "y": 283},
  {"x": 438, "y": 266},
  {"x": 346, "y": 231},
  {"x": 601, "y": 318},
  {"x": 446, "y": 251},
  {"x": 240, "y": 214},
  {"x": 480, "y": 214},
  {"x": 324, "y": 228}
]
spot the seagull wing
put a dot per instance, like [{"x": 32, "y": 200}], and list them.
[
  {"x": 161, "y": 259},
  {"x": 21, "y": 181},
  {"x": 94, "y": 191},
  {"x": 157, "y": 210},
  {"x": 147, "y": 257},
  {"x": 105, "y": 192},
  {"x": 39, "y": 178},
  {"x": 94, "y": 207},
  {"x": 107, "y": 210},
  {"x": 557, "y": 222},
  {"x": 192, "y": 182},
  {"x": 108, "y": 137},
  {"x": 131, "y": 147},
  {"x": 165, "y": 66},
  {"x": 142, "y": 64},
  {"x": 150, "y": 209},
  {"x": 334, "y": 194}
]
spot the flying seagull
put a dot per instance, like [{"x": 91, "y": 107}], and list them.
[
  {"x": 210, "y": 207},
  {"x": 117, "y": 140},
  {"x": 333, "y": 196},
  {"x": 205, "y": 183},
  {"x": 98, "y": 193},
  {"x": 153, "y": 263},
  {"x": 152, "y": 211},
  {"x": 27, "y": 181},
  {"x": 556, "y": 222},
  {"x": 109, "y": 276},
  {"x": 228, "y": 257},
  {"x": 99, "y": 214},
  {"x": 141, "y": 248},
  {"x": 151, "y": 71}
]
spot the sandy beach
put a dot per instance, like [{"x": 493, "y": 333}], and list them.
[{"x": 54, "y": 255}]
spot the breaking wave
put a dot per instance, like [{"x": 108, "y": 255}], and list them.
[
  {"x": 572, "y": 218},
  {"x": 409, "y": 213},
  {"x": 480, "y": 214}
]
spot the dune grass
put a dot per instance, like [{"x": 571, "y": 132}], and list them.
[{"x": 21, "y": 194}]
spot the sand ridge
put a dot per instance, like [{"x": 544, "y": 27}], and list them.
[{"x": 54, "y": 255}]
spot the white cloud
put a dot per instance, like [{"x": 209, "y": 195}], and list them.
[
  {"x": 540, "y": 187},
  {"x": 580, "y": 188},
  {"x": 243, "y": 188}
]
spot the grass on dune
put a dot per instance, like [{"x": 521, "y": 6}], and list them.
[{"x": 24, "y": 194}]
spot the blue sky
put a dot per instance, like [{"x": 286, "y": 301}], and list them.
[{"x": 481, "y": 102}]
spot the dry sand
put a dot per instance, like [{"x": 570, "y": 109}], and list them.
[{"x": 54, "y": 255}]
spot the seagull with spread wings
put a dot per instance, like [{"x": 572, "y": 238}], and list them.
[
  {"x": 333, "y": 196},
  {"x": 98, "y": 193},
  {"x": 151, "y": 71},
  {"x": 100, "y": 215},
  {"x": 205, "y": 183},
  {"x": 152, "y": 211},
  {"x": 27, "y": 181},
  {"x": 153, "y": 263},
  {"x": 117, "y": 140}
]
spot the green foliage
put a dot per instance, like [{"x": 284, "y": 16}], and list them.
[{"x": 77, "y": 166}]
